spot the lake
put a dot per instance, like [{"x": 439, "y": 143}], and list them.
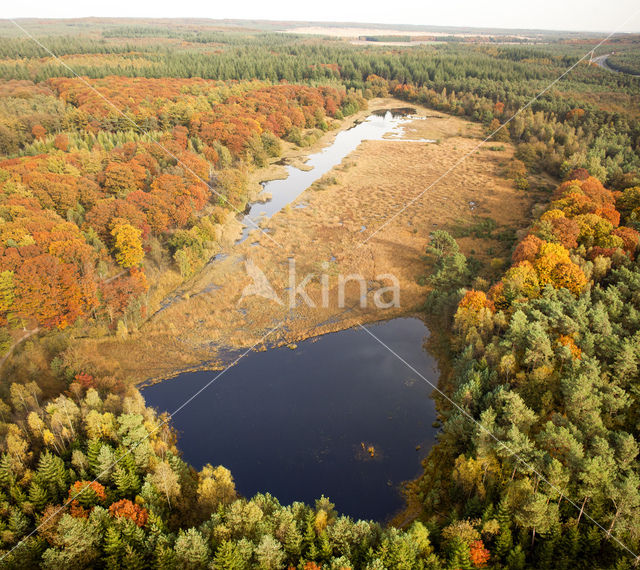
[{"x": 339, "y": 415}]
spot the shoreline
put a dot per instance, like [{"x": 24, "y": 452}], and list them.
[
  {"x": 292, "y": 155},
  {"x": 210, "y": 314},
  {"x": 221, "y": 364}
]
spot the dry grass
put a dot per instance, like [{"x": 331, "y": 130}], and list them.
[{"x": 373, "y": 183}]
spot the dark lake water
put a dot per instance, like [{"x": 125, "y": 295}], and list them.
[
  {"x": 293, "y": 422},
  {"x": 387, "y": 122}
]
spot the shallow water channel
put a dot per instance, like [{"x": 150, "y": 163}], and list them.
[{"x": 386, "y": 123}]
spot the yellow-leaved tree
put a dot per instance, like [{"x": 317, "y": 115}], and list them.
[{"x": 127, "y": 245}]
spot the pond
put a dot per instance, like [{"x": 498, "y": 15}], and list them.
[
  {"x": 378, "y": 125},
  {"x": 339, "y": 415}
]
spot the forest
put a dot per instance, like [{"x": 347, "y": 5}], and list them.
[
  {"x": 122, "y": 158},
  {"x": 625, "y": 62},
  {"x": 84, "y": 206}
]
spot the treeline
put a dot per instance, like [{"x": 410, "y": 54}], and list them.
[
  {"x": 97, "y": 190},
  {"x": 625, "y": 62},
  {"x": 24, "y": 48},
  {"x": 91, "y": 478},
  {"x": 279, "y": 57},
  {"x": 540, "y": 439},
  {"x": 385, "y": 38},
  {"x": 579, "y": 127},
  {"x": 557, "y": 138},
  {"x": 200, "y": 36}
]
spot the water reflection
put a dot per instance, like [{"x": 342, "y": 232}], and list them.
[
  {"x": 283, "y": 192},
  {"x": 339, "y": 416}
]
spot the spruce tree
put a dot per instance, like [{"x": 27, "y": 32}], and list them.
[
  {"x": 459, "y": 555},
  {"x": 93, "y": 451},
  {"x": 293, "y": 542},
  {"x": 164, "y": 557},
  {"x": 504, "y": 542},
  {"x": 38, "y": 495},
  {"x": 516, "y": 559},
  {"x": 326, "y": 549},
  {"x": 113, "y": 547},
  {"x": 52, "y": 474},
  {"x": 309, "y": 548},
  {"x": 228, "y": 557},
  {"x": 7, "y": 476}
]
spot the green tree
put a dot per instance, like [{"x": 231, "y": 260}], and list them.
[
  {"x": 229, "y": 557},
  {"x": 269, "y": 553},
  {"x": 191, "y": 550}
]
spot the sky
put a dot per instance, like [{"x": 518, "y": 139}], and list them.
[{"x": 583, "y": 15}]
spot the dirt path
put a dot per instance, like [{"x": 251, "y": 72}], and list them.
[{"x": 323, "y": 232}]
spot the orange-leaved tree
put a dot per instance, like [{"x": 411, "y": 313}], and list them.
[{"x": 128, "y": 509}]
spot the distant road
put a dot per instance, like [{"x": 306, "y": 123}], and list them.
[{"x": 601, "y": 61}]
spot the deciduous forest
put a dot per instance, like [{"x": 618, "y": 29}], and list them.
[{"x": 123, "y": 157}]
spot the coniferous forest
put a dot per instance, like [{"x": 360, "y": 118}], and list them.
[{"x": 536, "y": 463}]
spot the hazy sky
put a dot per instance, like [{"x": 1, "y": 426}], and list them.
[{"x": 596, "y": 15}]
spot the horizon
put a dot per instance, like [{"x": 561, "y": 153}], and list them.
[
  {"x": 574, "y": 17},
  {"x": 328, "y": 23}
]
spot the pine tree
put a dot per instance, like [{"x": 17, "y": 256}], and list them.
[
  {"x": 113, "y": 547},
  {"x": 52, "y": 474},
  {"x": 38, "y": 495},
  {"x": 228, "y": 557},
  {"x": 459, "y": 556}
]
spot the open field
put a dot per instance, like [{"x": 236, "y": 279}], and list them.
[
  {"x": 324, "y": 231},
  {"x": 353, "y": 33}
]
